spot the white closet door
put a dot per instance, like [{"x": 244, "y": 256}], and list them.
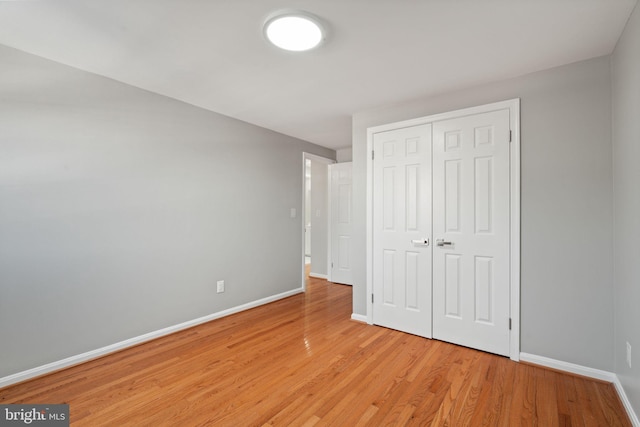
[
  {"x": 471, "y": 231},
  {"x": 402, "y": 230}
]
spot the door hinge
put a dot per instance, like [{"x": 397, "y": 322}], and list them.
[
  {"x": 331, "y": 264},
  {"x": 371, "y": 298},
  {"x": 509, "y": 323},
  {"x": 510, "y": 135},
  {"x": 372, "y": 155}
]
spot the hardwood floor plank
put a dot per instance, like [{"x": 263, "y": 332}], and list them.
[
  {"x": 301, "y": 361},
  {"x": 608, "y": 401},
  {"x": 546, "y": 398},
  {"x": 491, "y": 409},
  {"x": 456, "y": 377},
  {"x": 523, "y": 405},
  {"x": 368, "y": 414},
  {"x": 501, "y": 393}
]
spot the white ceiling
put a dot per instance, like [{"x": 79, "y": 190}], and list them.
[{"x": 211, "y": 53}]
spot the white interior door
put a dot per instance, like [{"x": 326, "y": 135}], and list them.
[
  {"x": 340, "y": 267},
  {"x": 402, "y": 229},
  {"x": 471, "y": 231}
]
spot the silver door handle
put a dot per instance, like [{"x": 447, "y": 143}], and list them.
[
  {"x": 423, "y": 242},
  {"x": 442, "y": 243}
]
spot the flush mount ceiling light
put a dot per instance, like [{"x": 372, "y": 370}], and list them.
[{"x": 295, "y": 31}]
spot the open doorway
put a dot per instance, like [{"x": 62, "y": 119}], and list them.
[{"x": 315, "y": 216}]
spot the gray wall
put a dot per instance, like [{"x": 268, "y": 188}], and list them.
[
  {"x": 119, "y": 210},
  {"x": 626, "y": 180},
  {"x": 566, "y": 234},
  {"x": 319, "y": 217},
  {"x": 343, "y": 155}
]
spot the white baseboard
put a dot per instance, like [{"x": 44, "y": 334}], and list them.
[
  {"x": 568, "y": 367},
  {"x": 625, "y": 401},
  {"x": 318, "y": 276},
  {"x": 93, "y": 354},
  {"x": 359, "y": 318},
  {"x": 585, "y": 372}
]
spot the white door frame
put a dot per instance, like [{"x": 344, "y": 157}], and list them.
[
  {"x": 514, "y": 265},
  {"x": 328, "y": 162}
]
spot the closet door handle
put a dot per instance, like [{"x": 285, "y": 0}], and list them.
[
  {"x": 441, "y": 243},
  {"x": 421, "y": 242}
]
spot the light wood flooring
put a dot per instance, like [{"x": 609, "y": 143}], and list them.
[{"x": 301, "y": 361}]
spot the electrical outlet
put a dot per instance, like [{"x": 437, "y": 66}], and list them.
[
  {"x": 628, "y": 354},
  {"x": 220, "y": 285}
]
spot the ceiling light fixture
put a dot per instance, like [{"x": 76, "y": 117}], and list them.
[{"x": 294, "y": 31}]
